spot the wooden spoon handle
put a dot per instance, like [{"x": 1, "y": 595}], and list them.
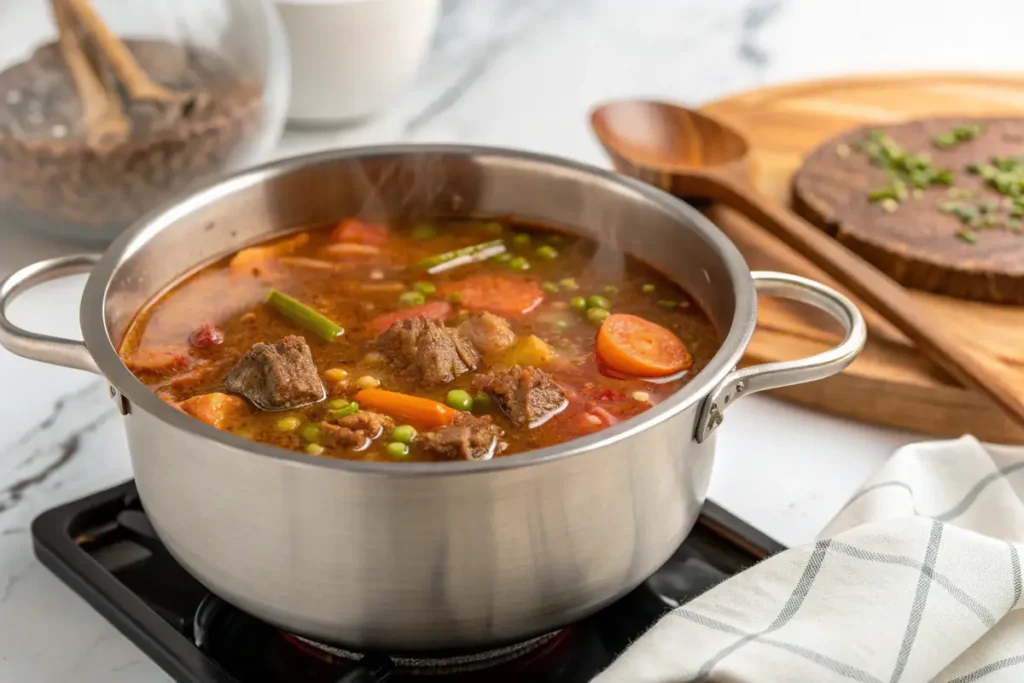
[
  {"x": 136, "y": 82},
  {"x": 941, "y": 345}
]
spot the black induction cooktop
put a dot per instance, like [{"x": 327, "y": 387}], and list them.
[{"x": 104, "y": 548}]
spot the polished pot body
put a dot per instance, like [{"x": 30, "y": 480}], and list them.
[{"x": 415, "y": 556}]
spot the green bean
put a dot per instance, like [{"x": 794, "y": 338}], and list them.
[
  {"x": 459, "y": 257},
  {"x": 304, "y": 316}
]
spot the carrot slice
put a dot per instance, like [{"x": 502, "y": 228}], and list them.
[
  {"x": 419, "y": 411},
  {"x": 634, "y": 346},
  {"x": 511, "y": 297},
  {"x": 435, "y": 310},
  {"x": 355, "y": 231},
  {"x": 214, "y": 409}
]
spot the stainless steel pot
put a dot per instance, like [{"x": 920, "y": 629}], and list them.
[{"x": 408, "y": 556}]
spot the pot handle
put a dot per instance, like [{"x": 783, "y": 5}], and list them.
[
  {"x": 67, "y": 352},
  {"x": 745, "y": 381}
]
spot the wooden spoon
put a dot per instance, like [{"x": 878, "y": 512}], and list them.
[{"x": 695, "y": 156}]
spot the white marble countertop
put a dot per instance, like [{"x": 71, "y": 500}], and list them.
[{"x": 522, "y": 74}]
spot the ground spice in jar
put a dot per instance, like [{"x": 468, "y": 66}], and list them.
[{"x": 53, "y": 174}]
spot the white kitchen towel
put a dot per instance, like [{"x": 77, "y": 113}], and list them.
[{"x": 916, "y": 580}]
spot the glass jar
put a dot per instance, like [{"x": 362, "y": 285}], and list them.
[{"x": 110, "y": 108}]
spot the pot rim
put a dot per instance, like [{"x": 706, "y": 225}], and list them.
[{"x": 104, "y": 353}]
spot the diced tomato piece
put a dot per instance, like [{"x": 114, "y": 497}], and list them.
[
  {"x": 435, "y": 310},
  {"x": 216, "y": 409},
  {"x": 355, "y": 231},
  {"x": 504, "y": 295},
  {"x": 205, "y": 336},
  {"x": 158, "y": 360}
]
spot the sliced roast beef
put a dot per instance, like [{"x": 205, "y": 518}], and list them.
[
  {"x": 489, "y": 333},
  {"x": 529, "y": 396},
  {"x": 470, "y": 438},
  {"x": 276, "y": 377},
  {"x": 426, "y": 350}
]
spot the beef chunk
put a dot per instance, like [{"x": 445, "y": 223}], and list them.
[
  {"x": 529, "y": 396},
  {"x": 426, "y": 350},
  {"x": 470, "y": 438},
  {"x": 343, "y": 437},
  {"x": 488, "y": 332},
  {"x": 276, "y": 377},
  {"x": 371, "y": 424},
  {"x": 355, "y": 431}
]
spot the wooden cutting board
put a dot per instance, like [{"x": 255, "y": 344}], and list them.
[{"x": 890, "y": 384}]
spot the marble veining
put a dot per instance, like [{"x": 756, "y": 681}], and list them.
[{"x": 517, "y": 73}]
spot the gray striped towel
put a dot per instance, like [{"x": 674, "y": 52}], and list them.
[{"x": 916, "y": 580}]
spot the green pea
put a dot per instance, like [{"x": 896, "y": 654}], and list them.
[
  {"x": 425, "y": 287},
  {"x": 569, "y": 284},
  {"x": 503, "y": 257},
  {"x": 337, "y": 404},
  {"x": 482, "y": 402},
  {"x": 519, "y": 263},
  {"x": 287, "y": 424},
  {"x": 351, "y": 409},
  {"x": 314, "y": 449},
  {"x": 424, "y": 231},
  {"x": 610, "y": 290},
  {"x": 521, "y": 239},
  {"x": 403, "y": 433},
  {"x": 598, "y": 301},
  {"x": 668, "y": 303},
  {"x": 455, "y": 298},
  {"x": 411, "y": 299},
  {"x": 547, "y": 252},
  {"x": 597, "y": 315},
  {"x": 310, "y": 432},
  {"x": 460, "y": 400},
  {"x": 648, "y": 288},
  {"x": 397, "y": 449},
  {"x": 579, "y": 303},
  {"x": 549, "y": 287}
]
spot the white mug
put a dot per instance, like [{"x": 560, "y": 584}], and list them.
[{"x": 351, "y": 57}]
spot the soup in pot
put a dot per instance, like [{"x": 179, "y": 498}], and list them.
[{"x": 454, "y": 339}]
